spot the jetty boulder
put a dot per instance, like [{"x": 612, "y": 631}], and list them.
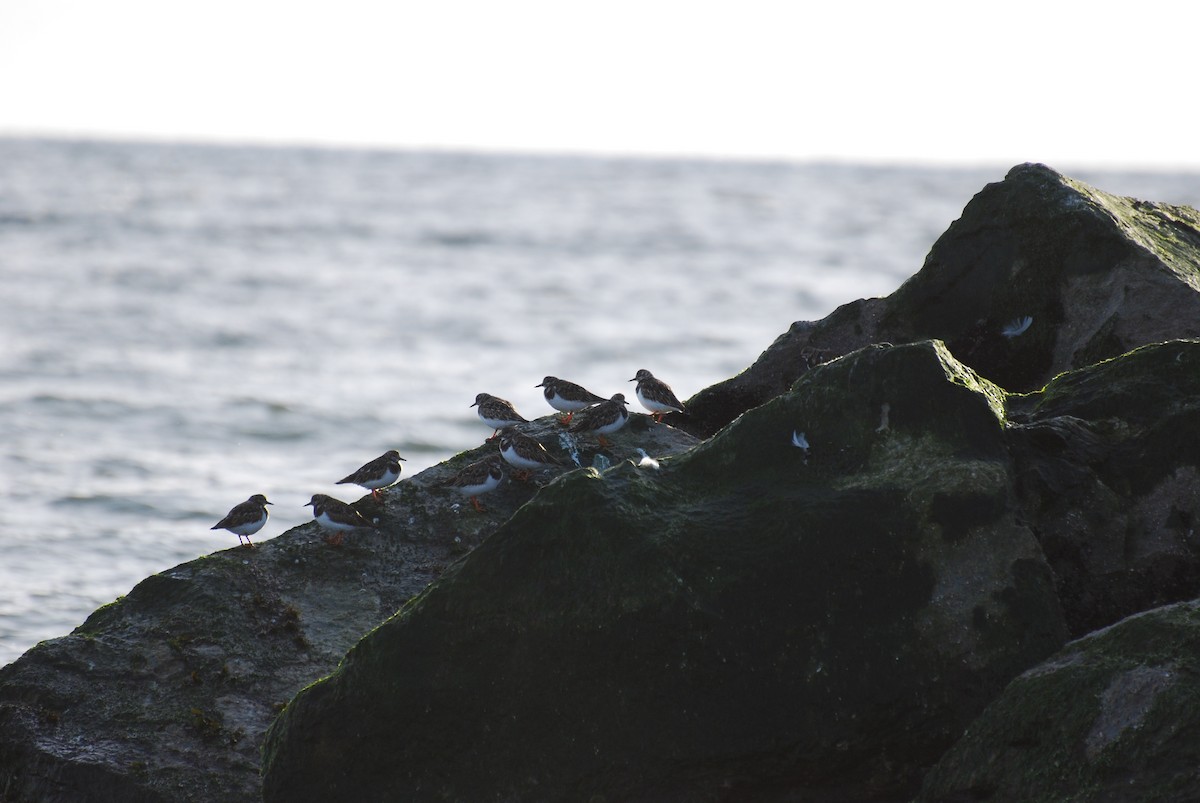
[
  {"x": 815, "y": 602},
  {"x": 165, "y": 694},
  {"x": 1112, "y": 716},
  {"x": 1040, "y": 274},
  {"x": 1106, "y": 463}
]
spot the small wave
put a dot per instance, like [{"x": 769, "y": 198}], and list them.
[
  {"x": 270, "y": 406},
  {"x": 111, "y": 504},
  {"x": 120, "y": 467},
  {"x": 273, "y": 434},
  {"x": 103, "y": 408},
  {"x": 458, "y": 239}
]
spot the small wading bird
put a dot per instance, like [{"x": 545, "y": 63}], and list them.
[
  {"x": 604, "y": 418},
  {"x": 524, "y": 453},
  {"x": 338, "y": 517},
  {"x": 497, "y": 413},
  {"x": 379, "y": 473},
  {"x": 477, "y": 478},
  {"x": 655, "y": 395},
  {"x": 245, "y": 519},
  {"x": 567, "y": 397}
]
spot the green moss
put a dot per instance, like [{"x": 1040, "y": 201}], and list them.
[
  {"x": 751, "y": 609},
  {"x": 1050, "y": 737}
]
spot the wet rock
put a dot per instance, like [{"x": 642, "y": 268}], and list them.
[
  {"x": 165, "y": 694},
  {"x": 755, "y": 619},
  {"x": 1113, "y": 716},
  {"x": 1040, "y": 274}
]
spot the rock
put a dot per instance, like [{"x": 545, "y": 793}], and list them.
[
  {"x": 812, "y": 604},
  {"x": 165, "y": 694},
  {"x": 1110, "y": 717},
  {"x": 1096, "y": 275},
  {"x": 755, "y": 620},
  {"x": 1105, "y": 460}
]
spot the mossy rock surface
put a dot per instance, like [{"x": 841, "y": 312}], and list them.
[
  {"x": 752, "y": 619},
  {"x": 166, "y": 693},
  {"x": 1107, "y": 468},
  {"x": 1095, "y": 274},
  {"x": 1114, "y": 716}
]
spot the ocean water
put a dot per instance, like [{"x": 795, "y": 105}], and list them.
[{"x": 184, "y": 326}]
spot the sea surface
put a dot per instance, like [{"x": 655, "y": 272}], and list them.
[{"x": 183, "y": 326}]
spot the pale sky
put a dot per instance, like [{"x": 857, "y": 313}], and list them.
[{"x": 1067, "y": 83}]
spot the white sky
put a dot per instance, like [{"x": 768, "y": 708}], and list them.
[{"x": 1067, "y": 83}]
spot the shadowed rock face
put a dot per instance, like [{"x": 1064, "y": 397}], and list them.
[
  {"x": 1113, "y": 716},
  {"x": 1098, "y": 275},
  {"x": 165, "y": 694},
  {"x": 1107, "y": 467},
  {"x": 752, "y": 618}
]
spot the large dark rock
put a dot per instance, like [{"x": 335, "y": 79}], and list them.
[
  {"x": 1114, "y": 716},
  {"x": 165, "y": 694},
  {"x": 1107, "y": 467},
  {"x": 1098, "y": 275},
  {"x": 753, "y": 621}
]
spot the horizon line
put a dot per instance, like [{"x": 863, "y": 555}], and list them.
[{"x": 303, "y": 143}]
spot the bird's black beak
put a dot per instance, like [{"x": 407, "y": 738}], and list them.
[
  {"x": 268, "y": 503},
  {"x": 634, "y": 379}
]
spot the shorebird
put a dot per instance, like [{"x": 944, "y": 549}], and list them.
[
  {"x": 245, "y": 519},
  {"x": 379, "y": 473},
  {"x": 337, "y": 516},
  {"x": 497, "y": 413},
  {"x": 567, "y": 397},
  {"x": 604, "y": 418},
  {"x": 525, "y": 453},
  {"x": 655, "y": 395},
  {"x": 477, "y": 478}
]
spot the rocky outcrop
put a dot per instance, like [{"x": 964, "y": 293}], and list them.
[
  {"x": 1112, "y": 717},
  {"x": 1095, "y": 275},
  {"x": 1107, "y": 470},
  {"x": 165, "y": 694},
  {"x": 814, "y": 603},
  {"x": 755, "y": 619}
]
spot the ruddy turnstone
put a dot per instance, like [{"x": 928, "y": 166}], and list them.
[
  {"x": 567, "y": 397},
  {"x": 655, "y": 395},
  {"x": 477, "y": 478},
  {"x": 525, "y": 453},
  {"x": 245, "y": 519},
  {"x": 336, "y": 515},
  {"x": 379, "y": 473},
  {"x": 604, "y": 418},
  {"x": 496, "y": 412}
]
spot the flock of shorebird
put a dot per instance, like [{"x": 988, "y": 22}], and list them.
[{"x": 585, "y": 413}]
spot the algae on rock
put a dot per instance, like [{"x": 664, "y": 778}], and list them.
[
  {"x": 1096, "y": 274},
  {"x": 1112, "y": 716},
  {"x": 754, "y": 616},
  {"x": 1107, "y": 467},
  {"x": 165, "y": 694}
]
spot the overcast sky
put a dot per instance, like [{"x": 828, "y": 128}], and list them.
[{"x": 1067, "y": 83}]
